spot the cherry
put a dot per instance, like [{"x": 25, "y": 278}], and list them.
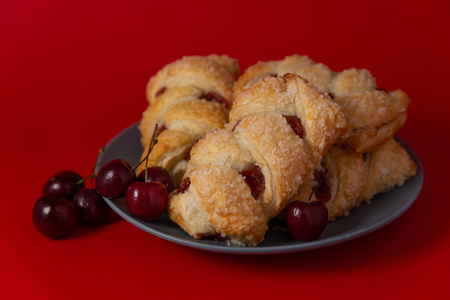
[
  {"x": 322, "y": 190},
  {"x": 146, "y": 200},
  {"x": 254, "y": 177},
  {"x": 63, "y": 183},
  {"x": 113, "y": 179},
  {"x": 306, "y": 220},
  {"x": 54, "y": 215},
  {"x": 160, "y": 91},
  {"x": 211, "y": 96},
  {"x": 160, "y": 130},
  {"x": 184, "y": 185},
  {"x": 93, "y": 209},
  {"x": 214, "y": 237},
  {"x": 296, "y": 125},
  {"x": 158, "y": 174}
]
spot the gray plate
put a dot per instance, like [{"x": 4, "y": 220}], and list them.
[{"x": 362, "y": 220}]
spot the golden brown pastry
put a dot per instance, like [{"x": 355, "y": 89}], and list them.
[
  {"x": 239, "y": 178},
  {"x": 352, "y": 178},
  {"x": 187, "y": 98},
  {"x": 373, "y": 115}
]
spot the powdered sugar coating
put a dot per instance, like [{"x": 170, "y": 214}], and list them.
[
  {"x": 228, "y": 203},
  {"x": 354, "y": 178},
  {"x": 176, "y": 100},
  {"x": 259, "y": 135},
  {"x": 379, "y": 117}
]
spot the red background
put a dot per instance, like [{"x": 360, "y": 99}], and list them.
[{"x": 73, "y": 74}]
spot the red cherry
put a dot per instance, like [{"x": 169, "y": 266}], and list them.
[
  {"x": 146, "y": 200},
  {"x": 184, "y": 185},
  {"x": 93, "y": 209},
  {"x": 306, "y": 221},
  {"x": 160, "y": 91},
  {"x": 254, "y": 177},
  {"x": 54, "y": 215},
  {"x": 63, "y": 183},
  {"x": 296, "y": 125},
  {"x": 160, "y": 130},
  {"x": 322, "y": 191},
  {"x": 211, "y": 96},
  {"x": 113, "y": 179},
  {"x": 158, "y": 174}
]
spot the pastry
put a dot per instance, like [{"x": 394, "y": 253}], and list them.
[
  {"x": 187, "y": 99},
  {"x": 239, "y": 178},
  {"x": 373, "y": 115},
  {"x": 351, "y": 178}
]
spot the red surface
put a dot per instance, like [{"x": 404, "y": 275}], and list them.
[{"x": 73, "y": 74}]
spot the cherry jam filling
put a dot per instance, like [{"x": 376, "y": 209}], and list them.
[
  {"x": 214, "y": 237},
  {"x": 255, "y": 180},
  {"x": 160, "y": 129},
  {"x": 187, "y": 157},
  {"x": 184, "y": 185},
  {"x": 216, "y": 97},
  {"x": 296, "y": 125},
  {"x": 234, "y": 127},
  {"x": 160, "y": 91},
  {"x": 365, "y": 156},
  {"x": 322, "y": 190}
]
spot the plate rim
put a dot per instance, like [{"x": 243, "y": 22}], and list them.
[{"x": 274, "y": 249}]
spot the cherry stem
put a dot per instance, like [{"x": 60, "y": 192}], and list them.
[
  {"x": 84, "y": 179},
  {"x": 93, "y": 174},
  {"x": 152, "y": 144},
  {"x": 100, "y": 151},
  {"x": 317, "y": 186}
]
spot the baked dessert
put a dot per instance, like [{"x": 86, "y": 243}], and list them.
[
  {"x": 239, "y": 178},
  {"x": 373, "y": 115},
  {"x": 351, "y": 178},
  {"x": 187, "y": 98},
  {"x": 344, "y": 179}
]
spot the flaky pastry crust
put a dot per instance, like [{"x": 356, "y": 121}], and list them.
[
  {"x": 356, "y": 178},
  {"x": 181, "y": 101},
  {"x": 373, "y": 115},
  {"x": 219, "y": 200}
]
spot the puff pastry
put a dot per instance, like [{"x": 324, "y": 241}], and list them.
[
  {"x": 187, "y": 98},
  {"x": 353, "y": 178},
  {"x": 240, "y": 177},
  {"x": 373, "y": 115}
]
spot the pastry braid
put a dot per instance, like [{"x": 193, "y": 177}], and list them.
[
  {"x": 373, "y": 115},
  {"x": 239, "y": 178},
  {"x": 187, "y": 98},
  {"x": 352, "y": 178}
]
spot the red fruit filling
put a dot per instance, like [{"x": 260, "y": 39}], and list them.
[
  {"x": 255, "y": 180},
  {"x": 216, "y": 97},
  {"x": 296, "y": 125},
  {"x": 322, "y": 191},
  {"x": 187, "y": 157},
  {"x": 214, "y": 237},
  {"x": 184, "y": 185},
  {"x": 160, "y": 129},
  {"x": 234, "y": 127},
  {"x": 160, "y": 91}
]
